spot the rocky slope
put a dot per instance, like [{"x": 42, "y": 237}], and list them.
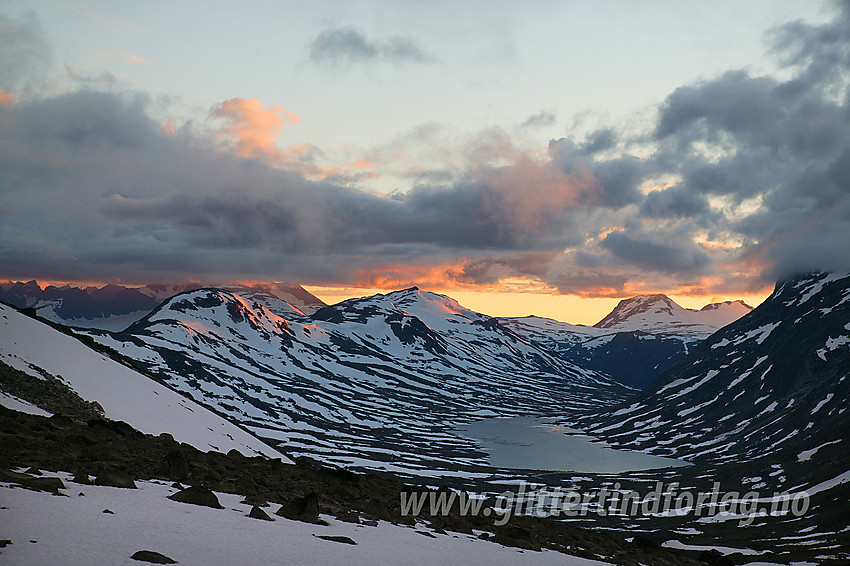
[{"x": 44, "y": 367}]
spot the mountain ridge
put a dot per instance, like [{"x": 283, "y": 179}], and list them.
[{"x": 359, "y": 380}]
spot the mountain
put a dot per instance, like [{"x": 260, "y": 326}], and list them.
[
  {"x": 634, "y": 358},
  {"x": 759, "y": 407},
  {"x": 640, "y": 338},
  {"x": 40, "y": 365},
  {"x": 379, "y": 382},
  {"x": 775, "y": 378},
  {"x": 659, "y": 314},
  {"x": 115, "y": 307}
]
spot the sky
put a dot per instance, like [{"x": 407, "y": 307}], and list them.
[{"x": 549, "y": 157}]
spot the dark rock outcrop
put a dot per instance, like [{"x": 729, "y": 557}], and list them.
[
  {"x": 115, "y": 478},
  {"x": 197, "y": 495},
  {"x": 302, "y": 509},
  {"x": 152, "y": 557}
]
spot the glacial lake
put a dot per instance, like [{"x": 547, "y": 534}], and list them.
[{"x": 528, "y": 443}]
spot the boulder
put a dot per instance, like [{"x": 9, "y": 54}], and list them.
[
  {"x": 176, "y": 466},
  {"x": 115, "y": 478},
  {"x": 197, "y": 496},
  {"x": 152, "y": 557},
  {"x": 302, "y": 509},
  {"x": 53, "y": 485},
  {"x": 257, "y": 513},
  {"x": 336, "y": 538}
]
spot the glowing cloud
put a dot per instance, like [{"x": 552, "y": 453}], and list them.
[{"x": 253, "y": 127}]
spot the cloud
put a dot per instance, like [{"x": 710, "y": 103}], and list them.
[
  {"x": 740, "y": 179},
  {"x": 253, "y": 127},
  {"x": 539, "y": 120},
  {"x": 346, "y": 45},
  {"x": 25, "y": 56}
]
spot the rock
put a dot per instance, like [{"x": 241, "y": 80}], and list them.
[
  {"x": 302, "y": 509},
  {"x": 108, "y": 512},
  {"x": 379, "y": 509},
  {"x": 5, "y": 542},
  {"x": 8, "y": 476},
  {"x": 349, "y": 517},
  {"x": 176, "y": 466},
  {"x": 33, "y": 471},
  {"x": 53, "y": 485},
  {"x": 118, "y": 427},
  {"x": 152, "y": 557},
  {"x": 518, "y": 537},
  {"x": 714, "y": 557},
  {"x": 257, "y": 513},
  {"x": 115, "y": 478},
  {"x": 81, "y": 477},
  {"x": 645, "y": 543},
  {"x": 197, "y": 496},
  {"x": 336, "y": 538},
  {"x": 255, "y": 500}
]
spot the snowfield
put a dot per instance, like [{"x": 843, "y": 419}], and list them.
[
  {"x": 75, "y": 530},
  {"x": 126, "y": 395}
]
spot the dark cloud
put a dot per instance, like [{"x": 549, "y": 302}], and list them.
[
  {"x": 345, "y": 45},
  {"x": 674, "y": 202},
  {"x": 540, "y": 119},
  {"x": 617, "y": 178},
  {"x": 25, "y": 55},
  {"x": 672, "y": 256},
  {"x": 127, "y": 199},
  {"x": 600, "y": 140}
]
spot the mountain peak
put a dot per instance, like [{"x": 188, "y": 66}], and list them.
[
  {"x": 658, "y": 313},
  {"x": 638, "y": 305}
]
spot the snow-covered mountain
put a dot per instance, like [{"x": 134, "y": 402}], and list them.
[
  {"x": 640, "y": 338},
  {"x": 115, "y": 307},
  {"x": 379, "y": 381},
  {"x": 46, "y": 354},
  {"x": 775, "y": 378},
  {"x": 634, "y": 358},
  {"x": 759, "y": 406},
  {"x": 659, "y": 314}
]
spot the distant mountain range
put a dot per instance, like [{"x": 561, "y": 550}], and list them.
[
  {"x": 115, "y": 307},
  {"x": 641, "y": 337}
]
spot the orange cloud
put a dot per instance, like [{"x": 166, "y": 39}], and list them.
[
  {"x": 7, "y": 99},
  {"x": 168, "y": 128},
  {"x": 253, "y": 127}
]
